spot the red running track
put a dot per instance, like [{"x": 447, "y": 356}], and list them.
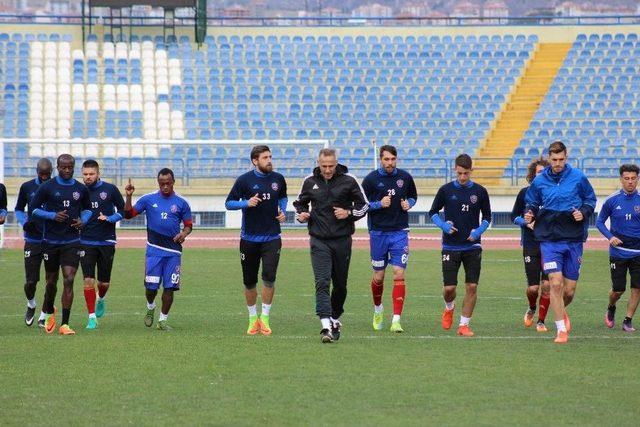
[{"x": 215, "y": 239}]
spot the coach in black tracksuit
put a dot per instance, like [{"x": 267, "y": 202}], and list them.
[{"x": 337, "y": 201}]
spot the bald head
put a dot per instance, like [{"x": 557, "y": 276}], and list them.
[{"x": 43, "y": 169}]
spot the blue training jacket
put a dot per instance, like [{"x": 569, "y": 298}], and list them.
[{"x": 553, "y": 198}]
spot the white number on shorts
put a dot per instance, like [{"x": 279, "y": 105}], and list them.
[
  {"x": 446, "y": 257},
  {"x": 163, "y": 215},
  {"x": 27, "y": 254},
  {"x": 405, "y": 258},
  {"x": 46, "y": 257},
  {"x": 613, "y": 265},
  {"x": 175, "y": 278},
  {"x": 527, "y": 259}
]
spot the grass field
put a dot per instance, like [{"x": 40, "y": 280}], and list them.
[{"x": 207, "y": 371}]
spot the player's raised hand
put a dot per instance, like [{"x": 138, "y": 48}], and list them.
[
  {"x": 129, "y": 188},
  {"x": 528, "y": 216},
  {"x": 254, "y": 201},
  {"x": 614, "y": 241},
  {"x": 340, "y": 213},
  {"x": 281, "y": 216},
  {"x": 531, "y": 225},
  {"x": 577, "y": 215},
  {"x": 61, "y": 216},
  {"x": 102, "y": 217},
  {"x": 303, "y": 217},
  {"x": 385, "y": 202},
  {"x": 404, "y": 205}
]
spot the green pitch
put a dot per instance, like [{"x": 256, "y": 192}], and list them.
[{"x": 207, "y": 371}]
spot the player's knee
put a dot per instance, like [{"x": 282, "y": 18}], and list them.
[
  {"x": 250, "y": 286},
  {"x": 472, "y": 288},
  {"x": 269, "y": 283}
]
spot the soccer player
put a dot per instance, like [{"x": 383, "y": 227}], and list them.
[
  {"x": 463, "y": 201},
  {"x": 32, "y": 229},
  {"x": 164, "y": 210},
  {"x": 391, "y": 193},
  {"x": 98, "y": 238},
  {"x": 622, "y": 208},
  {"x": 262, "y": 196},
  {"x": 537, "y": 280},
  {"x": 337, "y": 201},
  {"x": 560, "y": 200},
  {"x": 63, "y": 203}
]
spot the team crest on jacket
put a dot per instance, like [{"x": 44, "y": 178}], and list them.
[
  {"x": 473, "y": 198},
  {"x": 274, "y": 186},
  {"x": 637, "y": 209},
  {"x": 103, "y": 195},
  {"x": 174, "y": 209},
  {"x": 76, "y": 195},
  {"x": 399, "y": 183}
]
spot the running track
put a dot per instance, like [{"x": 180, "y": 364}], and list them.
[{"x": 215, "y": 239}]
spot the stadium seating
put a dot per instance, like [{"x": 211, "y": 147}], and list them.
[
  {"x": 432, "y": 96},
  {"x": 593, "y": 105}
]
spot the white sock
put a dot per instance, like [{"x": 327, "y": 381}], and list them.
[
  {"x": 326, "y": 323},
  {"x": 163, "y": 317},
  {"x": 92, "y": 315},
  {"x": 335, "y": 322},
  {"x": 464, "y": 321},
  {"x": 396, "y": 318},
  {"x": 378, "y": 308},
  {"x": 449, "y": 305},
  {"x": 252, "y": 310},
  {"x": 43, "y": 315},
  {"x": 561, "y": 326},
  {"x": 151, "y": 305},
  {"x": 266, "y": 308},
  {"x": 31, "y": 303}
]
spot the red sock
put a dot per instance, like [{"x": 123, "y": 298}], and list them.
[
  {"x": 376, "y": 291},
  {"x": 398, "y": 296},
  {"x": 532, "y": 299},
  {"x": 90, "y": 298},
  {"x": 544, "y": 307},
  {"x": 102, "y": 290}
]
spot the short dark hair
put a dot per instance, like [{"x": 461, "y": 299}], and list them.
[
  {"x": 257, "y": 150},
  {"x": 90, "y": 163},
  {"x": 166, "y": 171},
  {"x": 327, "y": 152},
  {"x": 65, "y": 157},
  {"x": 628, "y": 167},
  {"x": 43, "y": 164},
  {"x": 557, "y": 147},
  {"x": 464, "y": 161},
  {"x": 388, "y": 148},
  {"x": 531, "y": 169}
]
